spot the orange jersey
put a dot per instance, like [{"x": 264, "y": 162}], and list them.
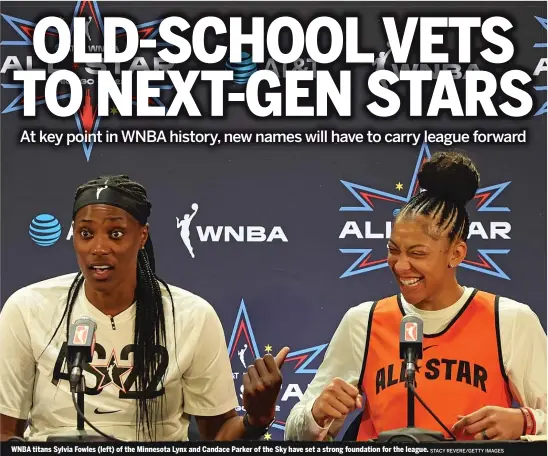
[{"x": 461, "y": 370}]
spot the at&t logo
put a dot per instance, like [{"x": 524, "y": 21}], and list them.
[{"x": 45, "y": 230}]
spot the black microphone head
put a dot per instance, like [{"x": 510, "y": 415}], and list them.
[
  {"x": 411, "y": 335},
  {"x": 82, "y": 338}
]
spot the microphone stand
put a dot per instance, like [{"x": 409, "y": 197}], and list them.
[
  {"x": 410, "y": 380},
  {"x": 80, "y": 389},
  {"x": 410, "y": 434},
  {"x": 80, "y": 434}
]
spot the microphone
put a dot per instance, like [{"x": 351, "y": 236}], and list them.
[
  {"x": 411, "y": 336},
  {"x": 81, "y": 345},
  {"x": 80, "y": 348}
]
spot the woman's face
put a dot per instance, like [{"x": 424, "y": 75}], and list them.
[
  {"x": 419, "y": 255},
  {"x": 107, "y": 240}
]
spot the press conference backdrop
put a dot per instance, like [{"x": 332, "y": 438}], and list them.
[{"x": 285, "y": 237}]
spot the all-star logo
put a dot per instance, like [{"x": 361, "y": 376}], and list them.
[
  {"x": 243, "y": 350},
  {"x": 376, "y": 228},
  {"x": 542, "y": 65},
  {"x": 87, "y": 119},
  {"x": 112, "y": 373}
]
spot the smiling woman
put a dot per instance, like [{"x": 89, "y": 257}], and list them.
[
  {"x": 483, "y": 351},
  {"x": 160, "y": 353},
  {"x": 429, "y": 236}
]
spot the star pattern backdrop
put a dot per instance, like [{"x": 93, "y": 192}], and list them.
[{"x": 281, "y": 239}]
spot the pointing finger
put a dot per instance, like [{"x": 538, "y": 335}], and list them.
[{"x": 280, "y": 357}]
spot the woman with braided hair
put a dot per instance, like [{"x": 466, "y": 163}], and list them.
[
  {"x": 481, "y": 352},
  {"x": 160, "y": 355}
]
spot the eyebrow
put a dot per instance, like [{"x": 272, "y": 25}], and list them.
[
  {"x": 108, "y": 218},
  {"x": 390, "y": 241}
]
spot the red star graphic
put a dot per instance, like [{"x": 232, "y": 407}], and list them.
[
  {"x": 242, "y": 328},
  {"x": 368, "y": 196},
  {"x": 481, "y": 263},
  {"x": 87, "y": 114},
  {"x": 29, "y": 31},
  {"x": 300, "y": 359},
  {"x": 366, "y": 262},
  {"x": 87, "y": 118},
  {"x": 91, "y": 11},
  {"x": 482, "y": 197},
  {"x": 116, "y": 371}
]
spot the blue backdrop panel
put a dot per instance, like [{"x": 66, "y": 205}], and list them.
[{"x": 269, "y": 246}]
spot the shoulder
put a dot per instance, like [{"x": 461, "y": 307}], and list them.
[
  {"x": 358, "y": 315},
  {"x": 361, "y": 309},
  {"x": 364, "y": 309},
  {"x": 194, "y": 317},
  {"x": 186, "y": 303},
  {"x": 514, "y": 312},
  {"x": 516, "y": 319},
  {"x": 45, "y": 293}
]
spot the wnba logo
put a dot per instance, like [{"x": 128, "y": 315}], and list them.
[
  {"x": 80, "y": 335},
  {"x": 243, "y": 70},
  {"x": 411, "y": 332},
  {"x": 220, "y": 233}
]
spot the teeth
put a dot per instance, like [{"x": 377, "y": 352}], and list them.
[
  {"x": 101, "y": 267},
  {"x": 409, "y": 282}
]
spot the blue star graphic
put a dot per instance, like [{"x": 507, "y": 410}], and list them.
[
  {"x": 544, "y": 107},
  {"x": 368, "y": 197},
  {"x": 542, "y": 22},
  {"x": 242, "y": 328},
  {"x": 86, "y": 119}
]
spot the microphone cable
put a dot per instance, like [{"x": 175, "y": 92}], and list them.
[
  {"x": 81, "y": 415},
  {"x": 414, "y": 391}
]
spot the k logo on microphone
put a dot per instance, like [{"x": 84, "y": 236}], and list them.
[
  {"x": 80, "y": 335},
  {"x": 411, "y": 332}
]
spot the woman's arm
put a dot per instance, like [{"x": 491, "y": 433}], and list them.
[
  {"x": 17, "y": 365},
  {"x": 11, "y": 427},
  {"x": 262, "y": 383}
]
